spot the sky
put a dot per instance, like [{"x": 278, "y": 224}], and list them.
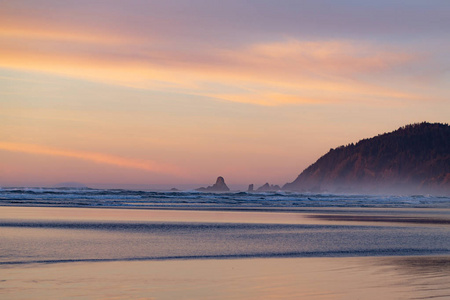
[{"x": 162, "y": 94}]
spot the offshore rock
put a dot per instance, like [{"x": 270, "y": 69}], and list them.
[
  {"x": 268, "y": 188},
  {"x": 250, "y": 188},
  {"x": 219, "y": 186}
]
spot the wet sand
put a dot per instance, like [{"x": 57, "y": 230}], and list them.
[
  {"x": 79, "y": 253},
  {"x": 269, "y": 278},
  {"x": 387, "y": 219}
]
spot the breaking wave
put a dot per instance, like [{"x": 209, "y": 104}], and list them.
[{"x": 87, "y": 197}]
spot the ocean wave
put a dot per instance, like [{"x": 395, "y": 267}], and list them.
[
  {"x": 138, "y": 198},
  {"x": 294, "y": 254}
]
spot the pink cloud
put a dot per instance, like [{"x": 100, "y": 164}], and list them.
[{"x": 100, "y": 158}]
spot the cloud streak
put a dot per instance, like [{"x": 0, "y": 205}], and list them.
[
  {"x": 259, "y": 53},
  {"x": 137, "y": 47},
  {"x": 99, "y": 158},
  {"x": 295, "y": 71}
]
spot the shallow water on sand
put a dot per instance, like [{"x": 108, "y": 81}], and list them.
[
  {"x": 92, "y": 253},
  {"x": 260, "y": 278}
]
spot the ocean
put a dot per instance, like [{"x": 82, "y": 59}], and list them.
[
  {"x": 118, "y": 244},
  {"x": 70, "y": 197}
]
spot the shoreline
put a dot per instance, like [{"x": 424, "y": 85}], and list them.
[
  {"x": 235, "y": 208},
  {"x": 444, "y": 256},
  {"x": 313, "y": 215}
]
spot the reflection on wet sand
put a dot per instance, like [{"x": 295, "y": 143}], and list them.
[
  {"x": 420, "y": 265},
  {"x": 426, "y": 277},
  {"x": 388, "y": 219},
  {"x": 269, "y": 278}
]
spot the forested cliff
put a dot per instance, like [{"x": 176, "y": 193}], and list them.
[{"x": 412, "y": 159}]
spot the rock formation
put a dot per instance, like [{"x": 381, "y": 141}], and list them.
[
  {"x": 219, "y": 186},
  {"x": 268, "y": 188},
  {"x": 250, "y": 188},
  {"x": 415, "y": 159}
]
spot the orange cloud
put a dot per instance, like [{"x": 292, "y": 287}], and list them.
[
  {"x": 289, "y": 72},
  {"x": 99, "y": 158},
  {"x": 59, "y": 35},
  {"x": 338, "y": 57}
]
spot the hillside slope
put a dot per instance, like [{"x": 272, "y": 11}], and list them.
[{"x": 413, "y": 159}]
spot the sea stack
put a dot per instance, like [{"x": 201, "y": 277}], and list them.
[
  {"x": 268, "y": 188},
  {"x": 219, "y": 186},
  {"x": 250, "y": 188}
]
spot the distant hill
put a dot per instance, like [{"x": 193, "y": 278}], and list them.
[{"x": 414, "y": 159}]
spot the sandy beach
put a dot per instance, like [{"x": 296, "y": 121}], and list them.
[{"x": 273, "y": 278}]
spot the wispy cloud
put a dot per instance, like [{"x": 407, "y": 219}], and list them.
[
  {"x": 100, "y": 158},
  {"x": 288, "y": 70},
  {"x": 293, "y": 69}
]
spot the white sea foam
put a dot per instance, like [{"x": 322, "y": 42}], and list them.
[{"x": 120, "y": 197}]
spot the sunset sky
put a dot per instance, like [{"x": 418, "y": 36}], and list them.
[{"x": 164, "y": 94}]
